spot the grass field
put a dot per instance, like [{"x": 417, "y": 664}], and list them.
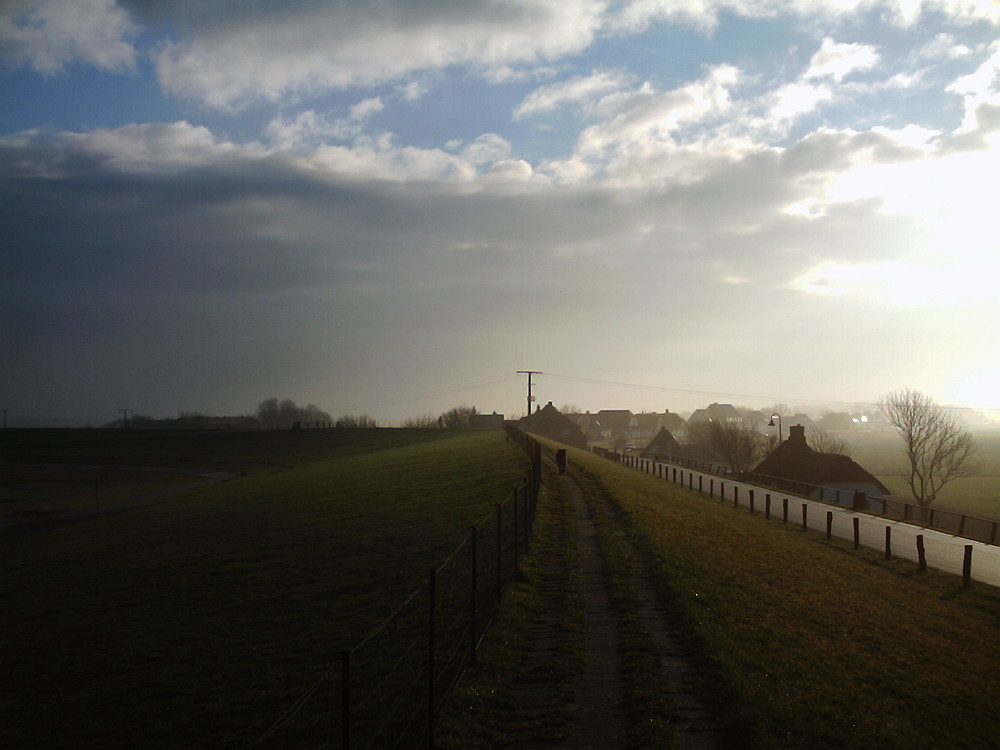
[
  {"x": 810, "y": 644},
  {"x": 882, "y": 454},
  {"x": 199, "y": 618}
]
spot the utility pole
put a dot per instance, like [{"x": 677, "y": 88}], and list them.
[
  {"x": 529, "y": 373},
  {"x": 124, "y": 413}
]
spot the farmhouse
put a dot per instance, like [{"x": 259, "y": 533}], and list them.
[{"x": 796, "y": 463}]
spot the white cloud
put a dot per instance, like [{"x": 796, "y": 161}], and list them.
[
  {"x": 487, "y": 148},
  {"x": 308, "y": 129},
  {"x": 637, "y": 15},
  {"x": 48, "y": 35},
  {"x": 252, "y": 54},
  {"x": 837, "y": 61},
  {"x": 579, "y": 90}
]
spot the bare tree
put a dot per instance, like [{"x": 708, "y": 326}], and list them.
[
  {"x": 822, "y": 441},
  {"x": 740, "y": 447},
  {"x": 422, "y": 421},
  {"x": 457, "y": 416},
  {"x": 937, "y": 447}
]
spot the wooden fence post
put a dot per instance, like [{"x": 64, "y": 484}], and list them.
[
  {"x": 767, "y": 505},
  {"x": 475, "y": 566},
  {"x": 784, "y": 510},
  {"x": 888, "y": 542},
  {"x": 431, "y": 596},
  {"x": 921, "y": 555},
  {"x": 967, "y": 567},
  {"x": 751, "y": 501},
  {"x": 345, "y": 700},
  {"x": 857, "y": 532},
  {"x": 829, "y": 524},
  {"x": 805, "y": 525},
  {"x": 517, "y": 542},
  {"x": 499, "y": 551}
]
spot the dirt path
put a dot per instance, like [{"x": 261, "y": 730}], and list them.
[{"x": 598, "y": 690}]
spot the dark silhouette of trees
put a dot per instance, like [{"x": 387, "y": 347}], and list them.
[
  {"x": 349, "y": 420},
  {"x": 938, "y": 449},
  {"x": 282, "y": 415},
  {"x": 457, "y": 416},
  {"x": 421, "y": 422}
]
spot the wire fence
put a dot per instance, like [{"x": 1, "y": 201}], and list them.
[{"x": 386, "y": 691}]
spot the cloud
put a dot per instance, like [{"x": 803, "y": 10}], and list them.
[
  {"x": 49, "y": 35},
  {"x": 837, "y": 61},
  {"x": 638, "y": 15},
  {"x": 579, "y": 90},
  {"x": 308, "y": 129},
  {"x": 231, "y": 59}
]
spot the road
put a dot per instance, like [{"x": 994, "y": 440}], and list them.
[{"x": 943, "y": 551}]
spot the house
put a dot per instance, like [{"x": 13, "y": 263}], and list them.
[
  {"x": 550, "y": 423},
  {"x": 674, "y": 422},
  {"x": 795, "y": 465},
  {"x": 617, "y": 425},
  {"x": 663, "y": 446},
  {"x": 647, "y": 425},
  {"x": 722, "y": 413}
]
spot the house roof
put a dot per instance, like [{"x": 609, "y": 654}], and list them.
[
  {"x": 672, "y": 420},
  {"x": 795, "y": 460},
  {"x": 549, "y": 422},
  {"x": 618, "y": 420},
  {"x": 651, "y": 422},
  {"x": 716, "y": 412},
  {"x": 663, "y": 442}
]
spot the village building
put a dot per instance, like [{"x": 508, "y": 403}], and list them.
[
  {"x": 797, "y": 467},
  {"x": 548, "y": 422},
  {"x": 721, "y": 413}
]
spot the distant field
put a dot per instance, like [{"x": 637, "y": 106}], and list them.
[
  {"x": 882, "y": 455},
  {"x": 199, "y": 619}
]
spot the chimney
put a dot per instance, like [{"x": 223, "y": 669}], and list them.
[{"x": 797, "y": 435}]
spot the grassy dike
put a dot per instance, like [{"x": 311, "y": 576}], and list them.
[
  {"x": 197, "y": 620},
  {"x": 809, "y": 643}
]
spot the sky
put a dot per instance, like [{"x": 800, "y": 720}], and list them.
[{"x": 392, "y": 207}]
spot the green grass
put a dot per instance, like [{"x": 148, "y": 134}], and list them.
[
  {"x": 815, "y": 645},
  {"x": 881, "y": 453},
  {"x": 808, "y": 643},
  {"x": 199, "y": 619}
]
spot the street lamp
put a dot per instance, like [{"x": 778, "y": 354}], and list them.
[{"x": 771, "y": 424}]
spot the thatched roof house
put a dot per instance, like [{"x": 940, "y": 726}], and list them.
[{"x": 796, "y": 463}]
